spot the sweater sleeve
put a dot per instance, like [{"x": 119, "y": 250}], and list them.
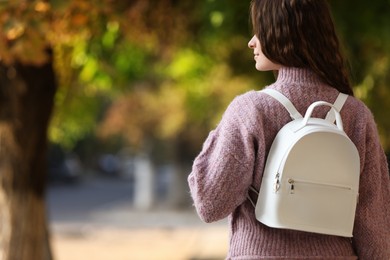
[
  {"x": 372, "y": 224},
  {"x": 222, "y": 172}
]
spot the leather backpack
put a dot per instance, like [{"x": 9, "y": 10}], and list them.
[{"x": 311, "y": 177}]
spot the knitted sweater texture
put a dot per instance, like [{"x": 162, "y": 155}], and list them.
[{"x": 233, "y": 158}]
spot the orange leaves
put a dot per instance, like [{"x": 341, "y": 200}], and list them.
[
  {"x": 42, "y": 7},
  {"x": 155, "y": 24},
  {"x": 28, "y": 28},
  {"x": 22, "y": 32},
  {"x": 14, "y": 30},
  {"x": 144, "y": 114}
]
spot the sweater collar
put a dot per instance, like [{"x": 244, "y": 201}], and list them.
[{"x": 300, "y": 76}]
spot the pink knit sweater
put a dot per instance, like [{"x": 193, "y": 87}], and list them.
[{"x": 233, "y": 158}]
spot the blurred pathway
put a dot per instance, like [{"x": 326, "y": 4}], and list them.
[{"x": 95, "y": 220}]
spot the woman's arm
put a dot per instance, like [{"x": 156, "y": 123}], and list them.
[
  {"x": 372, "y": 224},
  {"x": 222, "y": 172}
]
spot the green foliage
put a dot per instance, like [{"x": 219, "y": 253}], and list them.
[
  {"x": 365, "y": 32},
  {"x": 166, "y": 70},
  {"x": 75, "y": 120}
]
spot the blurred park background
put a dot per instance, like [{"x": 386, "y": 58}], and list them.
[{"x": 105, "y": 103}]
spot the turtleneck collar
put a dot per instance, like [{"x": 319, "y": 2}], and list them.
[{"x": 298, "y": 76}]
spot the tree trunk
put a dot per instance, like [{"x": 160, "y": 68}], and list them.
[{"x": 26, "y": 103}]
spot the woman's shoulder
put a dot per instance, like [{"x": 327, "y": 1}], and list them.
[
  {"x": 245, "y": 110},
  {"x": 358, "y": 108},
  {"x": 247, "y": 105},
  {"x": 243, "y": 97},
  {"x": 241, "y": 104},
  {"x": 251, "y": 100}
]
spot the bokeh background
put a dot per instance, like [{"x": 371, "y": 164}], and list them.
[{"x": 126, "y": 92}]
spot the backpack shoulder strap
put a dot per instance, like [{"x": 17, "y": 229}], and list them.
[
  {"x": 339, "y": 103},
  {"x": 284, "y": 101}
]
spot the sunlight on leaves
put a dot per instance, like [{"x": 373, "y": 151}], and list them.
[
  {"x": 79, "y": 121},
  {"x": 14, "y": 29},
  {"x": 188, "y": 64},
  {"x": 111, "y": 35},
  {"x": 89, "y": 69},
  {"x": 362, "y": 90},
  {"x": 216, "y": 18},
  {"x": 42, "y": 7}
]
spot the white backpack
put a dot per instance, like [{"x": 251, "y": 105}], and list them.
[{"x": 311, "y": 176}]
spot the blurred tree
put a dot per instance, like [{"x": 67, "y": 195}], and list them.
[
  {"x": 26, "y": 101},
  {"x": 89, "y": 49},
  {"x": 35, "y": 36}
]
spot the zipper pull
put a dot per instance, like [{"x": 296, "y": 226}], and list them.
[
  {"x": 292, "y": 186},
  {"x": 277, "y": 183}
]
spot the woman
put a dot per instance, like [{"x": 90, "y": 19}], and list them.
[{"x": 297, "y": 39}]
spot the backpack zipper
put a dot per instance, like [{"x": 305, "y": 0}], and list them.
[
  {"x": 277, "y": 183},
  {"x": 293, "y": 182}
]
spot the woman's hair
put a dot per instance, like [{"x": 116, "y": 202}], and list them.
[{"x": 301, "y": 33}]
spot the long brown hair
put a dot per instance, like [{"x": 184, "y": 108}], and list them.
[{"x": 301, "y": 33}]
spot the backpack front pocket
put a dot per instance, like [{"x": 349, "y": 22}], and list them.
[{"x": 331, "y": 204}]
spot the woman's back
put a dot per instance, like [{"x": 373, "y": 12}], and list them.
[{"x": 297, "y": 38}]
